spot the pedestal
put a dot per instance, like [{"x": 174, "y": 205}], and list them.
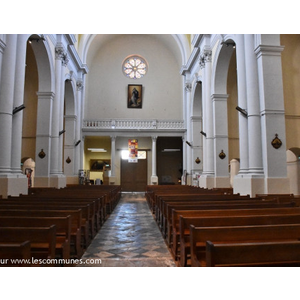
[{"x": 13, "y": 185}]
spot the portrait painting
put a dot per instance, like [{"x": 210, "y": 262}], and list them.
[{"x": 134, "y": 98}]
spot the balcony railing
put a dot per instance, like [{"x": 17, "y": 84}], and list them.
[{"x": 126, "y": 124}]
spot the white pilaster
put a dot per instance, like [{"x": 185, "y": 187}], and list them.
[
  {"x": 268, "y": 53},
  {"x": 222, "y": 178},
  {"x": 154, "y": 178},
  {"x": 112, "y": 178}
]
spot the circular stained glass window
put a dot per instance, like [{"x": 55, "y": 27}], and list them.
[{"x": 135, "y": 67}]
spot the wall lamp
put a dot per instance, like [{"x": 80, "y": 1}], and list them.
[
  {"x": 77, "y": 143},
  {"x": 203, "y": 133},
  {"x": 242, "y": 111},
  {"x": 18, "y": 108},
  {"x": 62, "y": 131},
  {"x": 189, "y": 143}
]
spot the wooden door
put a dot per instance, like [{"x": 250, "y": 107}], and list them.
[{"x": 134, "y": 175}]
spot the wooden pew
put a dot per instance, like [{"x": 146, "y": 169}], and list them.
[
  {"x": 85, "y": 208},
  {"x": 217, "y": 206},
  {"x": 221, "y": 212},
  {"x": 196, "y": 205},
  {"x": 42, "y": 239},
  {"x": 12, "y": 251},
  {"x": 237, "y": 234},
  {"x": 266, "y": 254},
  {"x": 63, "y": 229},
  {"x": 76, "y": 242},
  {"x": 185, "y": 222}
]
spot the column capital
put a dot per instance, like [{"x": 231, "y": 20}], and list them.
[
  {"x": 154, "y": 138},
  {"x": 205, "y": 57},
  {"x": 61, "y": 54},
  {"x": 79, "y": 85},
  {"x": 188, "y": 87}
]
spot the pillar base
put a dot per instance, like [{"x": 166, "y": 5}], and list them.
[
  {"x": 277, "y": 186},
  {"x": 112, "y": 180},
  {"x": 154, "y": 180},
  {"x": 248, "y": 185},
  {"x": 13, "y": 185},
  {"x": 206, "y": 181},
  {"x": 222, "y": 182},
  {"x": 58, "y": 181},
  {"x": 72, "y": 180}
]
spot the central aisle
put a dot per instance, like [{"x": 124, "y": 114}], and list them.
[{"x": 129, "y": 238}]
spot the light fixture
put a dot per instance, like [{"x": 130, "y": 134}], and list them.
[
  {"x": 68, "y": 160},
  {"x": 61, "y": 132},
  {"x": 77, "y": 143},
  {"x": 203, "y": 133},
  {"x": 197, "y": 161},
  {"x": 42, "y": 154},
  {"x": 18, "y": 108},
  {"x": 242, "y": 111},
  {"x": 170, "y": 150},
  {"x": 97, "y": 150}
]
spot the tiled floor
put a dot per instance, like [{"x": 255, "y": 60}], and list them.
[{"x": 129, "y": 238}]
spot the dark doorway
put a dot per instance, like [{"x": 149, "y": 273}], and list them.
[{"x": 134, "y": 175}]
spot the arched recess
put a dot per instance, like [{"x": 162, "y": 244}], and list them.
[
  {"x": 293, "y": 169},
  {"x": 223, "y": 90},
  {"x": 70, "y": 125},
  {"x": 196, "y": 127},
  {"x": 28, "y": 168},
  {"x": 39, "y": 91}
]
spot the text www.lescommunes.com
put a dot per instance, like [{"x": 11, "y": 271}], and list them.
[{"x": 48, "y": 261}]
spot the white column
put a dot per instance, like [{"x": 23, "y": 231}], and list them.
[
  {"x": 242, "y": 103},
  {"x": 239, "y": 184},
  {"x": 10, "y": 184},
  {"x": 154, "y": 178},
  {"x": 254, "y": 126},
  {"x": 268, "y": 52},
  {"x": 78, "y": 163},
  {"x": 17, "y": 124},
  {"x": 188, "y": 88},
  {"x": 206, "y": 179},
  {"x": 57, "y": 179},
  {"x": 112, "y": 177},
  {"x": 6, "y": 102},
  {"x": 59, "y": 51}
]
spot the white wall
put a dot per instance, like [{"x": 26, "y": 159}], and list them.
[{"x": 106, "y": 86}]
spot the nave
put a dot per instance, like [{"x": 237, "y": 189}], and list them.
[{"x": 129, "y": 238}]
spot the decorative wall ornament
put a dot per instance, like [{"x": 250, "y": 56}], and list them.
[
  {"x": 188, "y": 87},
  {"x": 68, "y": 160},
  {"x": 62, "y": 55},
  {"x": 276, "y": 142},
  {"x": 222, "y": 155},
  {"x": 42, "y": 154},
  {"x": 197, "y": 161},
  {"x": 79, "y": 85},
  {"x": 205, "y": 56}
]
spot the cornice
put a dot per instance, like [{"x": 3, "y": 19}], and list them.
[{"x": 190, "y": 62}]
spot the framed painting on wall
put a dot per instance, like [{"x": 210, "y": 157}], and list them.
[{"x": 134, "y": 97}]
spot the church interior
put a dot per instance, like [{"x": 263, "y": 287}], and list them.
[{"x": 150, "y": 150}]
